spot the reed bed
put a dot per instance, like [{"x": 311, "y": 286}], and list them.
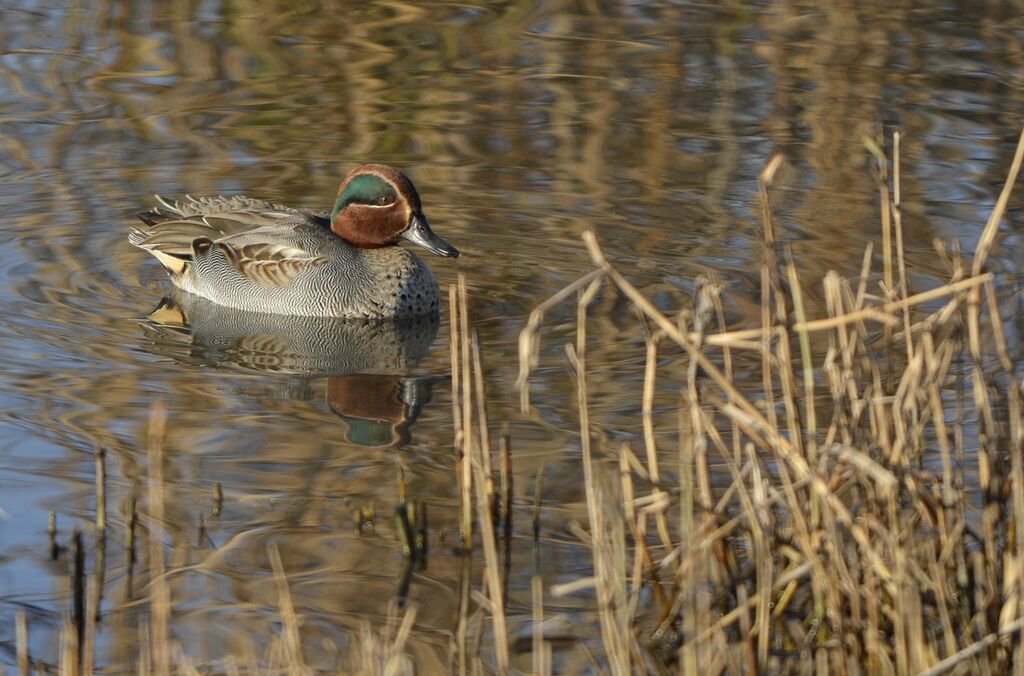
[
  {"x": 862, "y": 531},
  {"x": 869, "y": 524}
]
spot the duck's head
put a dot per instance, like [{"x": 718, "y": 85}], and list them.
[{"x": 377, "y": 206}]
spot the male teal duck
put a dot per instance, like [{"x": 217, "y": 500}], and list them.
[{"x": 261, "y": 257}]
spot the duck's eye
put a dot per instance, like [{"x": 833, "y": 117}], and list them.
[{"x": 383, "y": 201}]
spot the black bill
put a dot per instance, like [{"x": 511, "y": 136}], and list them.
[{"x": 419, "y": 232}]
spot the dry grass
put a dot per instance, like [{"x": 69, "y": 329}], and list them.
[{"x": 864, "y": 528}]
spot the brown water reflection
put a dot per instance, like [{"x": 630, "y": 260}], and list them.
[{"x": 522, "y": 124}]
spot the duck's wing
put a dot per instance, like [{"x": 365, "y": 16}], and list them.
[
  {"x": 231, "y": 204},
  {"x": 259, "y": 239},
  {"x": 271, "y": 264}
]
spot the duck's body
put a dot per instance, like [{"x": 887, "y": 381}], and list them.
[{"x": 262, "y": 257}]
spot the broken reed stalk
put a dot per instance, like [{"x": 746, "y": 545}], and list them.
[
  {"x": 541, "y": 650},
  {"x": 506, "y": 509},
  {"x": 901, "y": 257},
  {"x": 95, "y": 590},
  {"x": 461, "y": 639},
  {"x": 685, "y": 605},
  {"x": 24, "y": 662},
  {"x": 78, "y": 593},
  {"x": 647, "y": 405},
  {"x": 1016, "y": 416},
  {"x": 643, "y": 564},
  {"x": 68, "y": 649},
  {"x": 506, "y": 487},
  {"x": 541, "y": 658},
  {"x": 695, "y": 464},
  {"x": 101, "y": 489},
  {"x": 466, "y": 379},
  {"x": 647, "y": 416},
  {"x": 129, "y": 547},
  {"x": 51, "y": 530},
  {"x": 485, "y": 516},
  {"x": 538, "y": 485},
  {"x": 462, "y": 407},
  {"x": 463, "y": 475},
  {"x": 529, "y": 343},
  {"x": 160, "y": 594},
  {"x": 810, "y": 416},
  {"x": 89, "y": 633},
  {"x": 616, "y": 638},
  {"x": 291, "y": 640},
  {"x": 764, "y": 179},
  {"x": 483, "y": 429},
  {"x": 885, "y": 207}
]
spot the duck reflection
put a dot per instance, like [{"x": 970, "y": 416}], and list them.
[
  {"x": 377, "y": 410},
  {"x": 366, "y": 362}
]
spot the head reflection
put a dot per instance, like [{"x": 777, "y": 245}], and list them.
[{"x": 377, "y": 410}]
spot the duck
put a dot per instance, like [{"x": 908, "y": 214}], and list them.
[{"x": 258, "y": 256}]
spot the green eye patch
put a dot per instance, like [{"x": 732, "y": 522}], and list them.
[{"x": 365, "y": 189}]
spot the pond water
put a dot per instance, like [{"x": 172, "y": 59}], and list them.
[{"x": 523, "y": 125}]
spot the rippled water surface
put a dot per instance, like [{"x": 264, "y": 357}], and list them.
[{"x": 523, "y": 125}]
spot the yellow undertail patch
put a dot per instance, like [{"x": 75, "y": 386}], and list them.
[{"x": 173, "y": 264}]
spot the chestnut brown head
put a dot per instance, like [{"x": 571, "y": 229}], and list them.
[{"x": 377, "y": 206}]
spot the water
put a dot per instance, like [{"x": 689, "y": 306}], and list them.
[{"x": 523, "y": 125}]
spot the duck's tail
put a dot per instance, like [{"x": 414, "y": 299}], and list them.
[
  {"x": 169, "y": 236},
  {"x": 175, "y": 262}
]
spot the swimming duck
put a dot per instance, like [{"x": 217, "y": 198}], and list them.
[{"x": 257, "y": 256}]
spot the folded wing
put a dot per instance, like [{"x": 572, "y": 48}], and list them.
[{"x": 177, "y": 233}]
